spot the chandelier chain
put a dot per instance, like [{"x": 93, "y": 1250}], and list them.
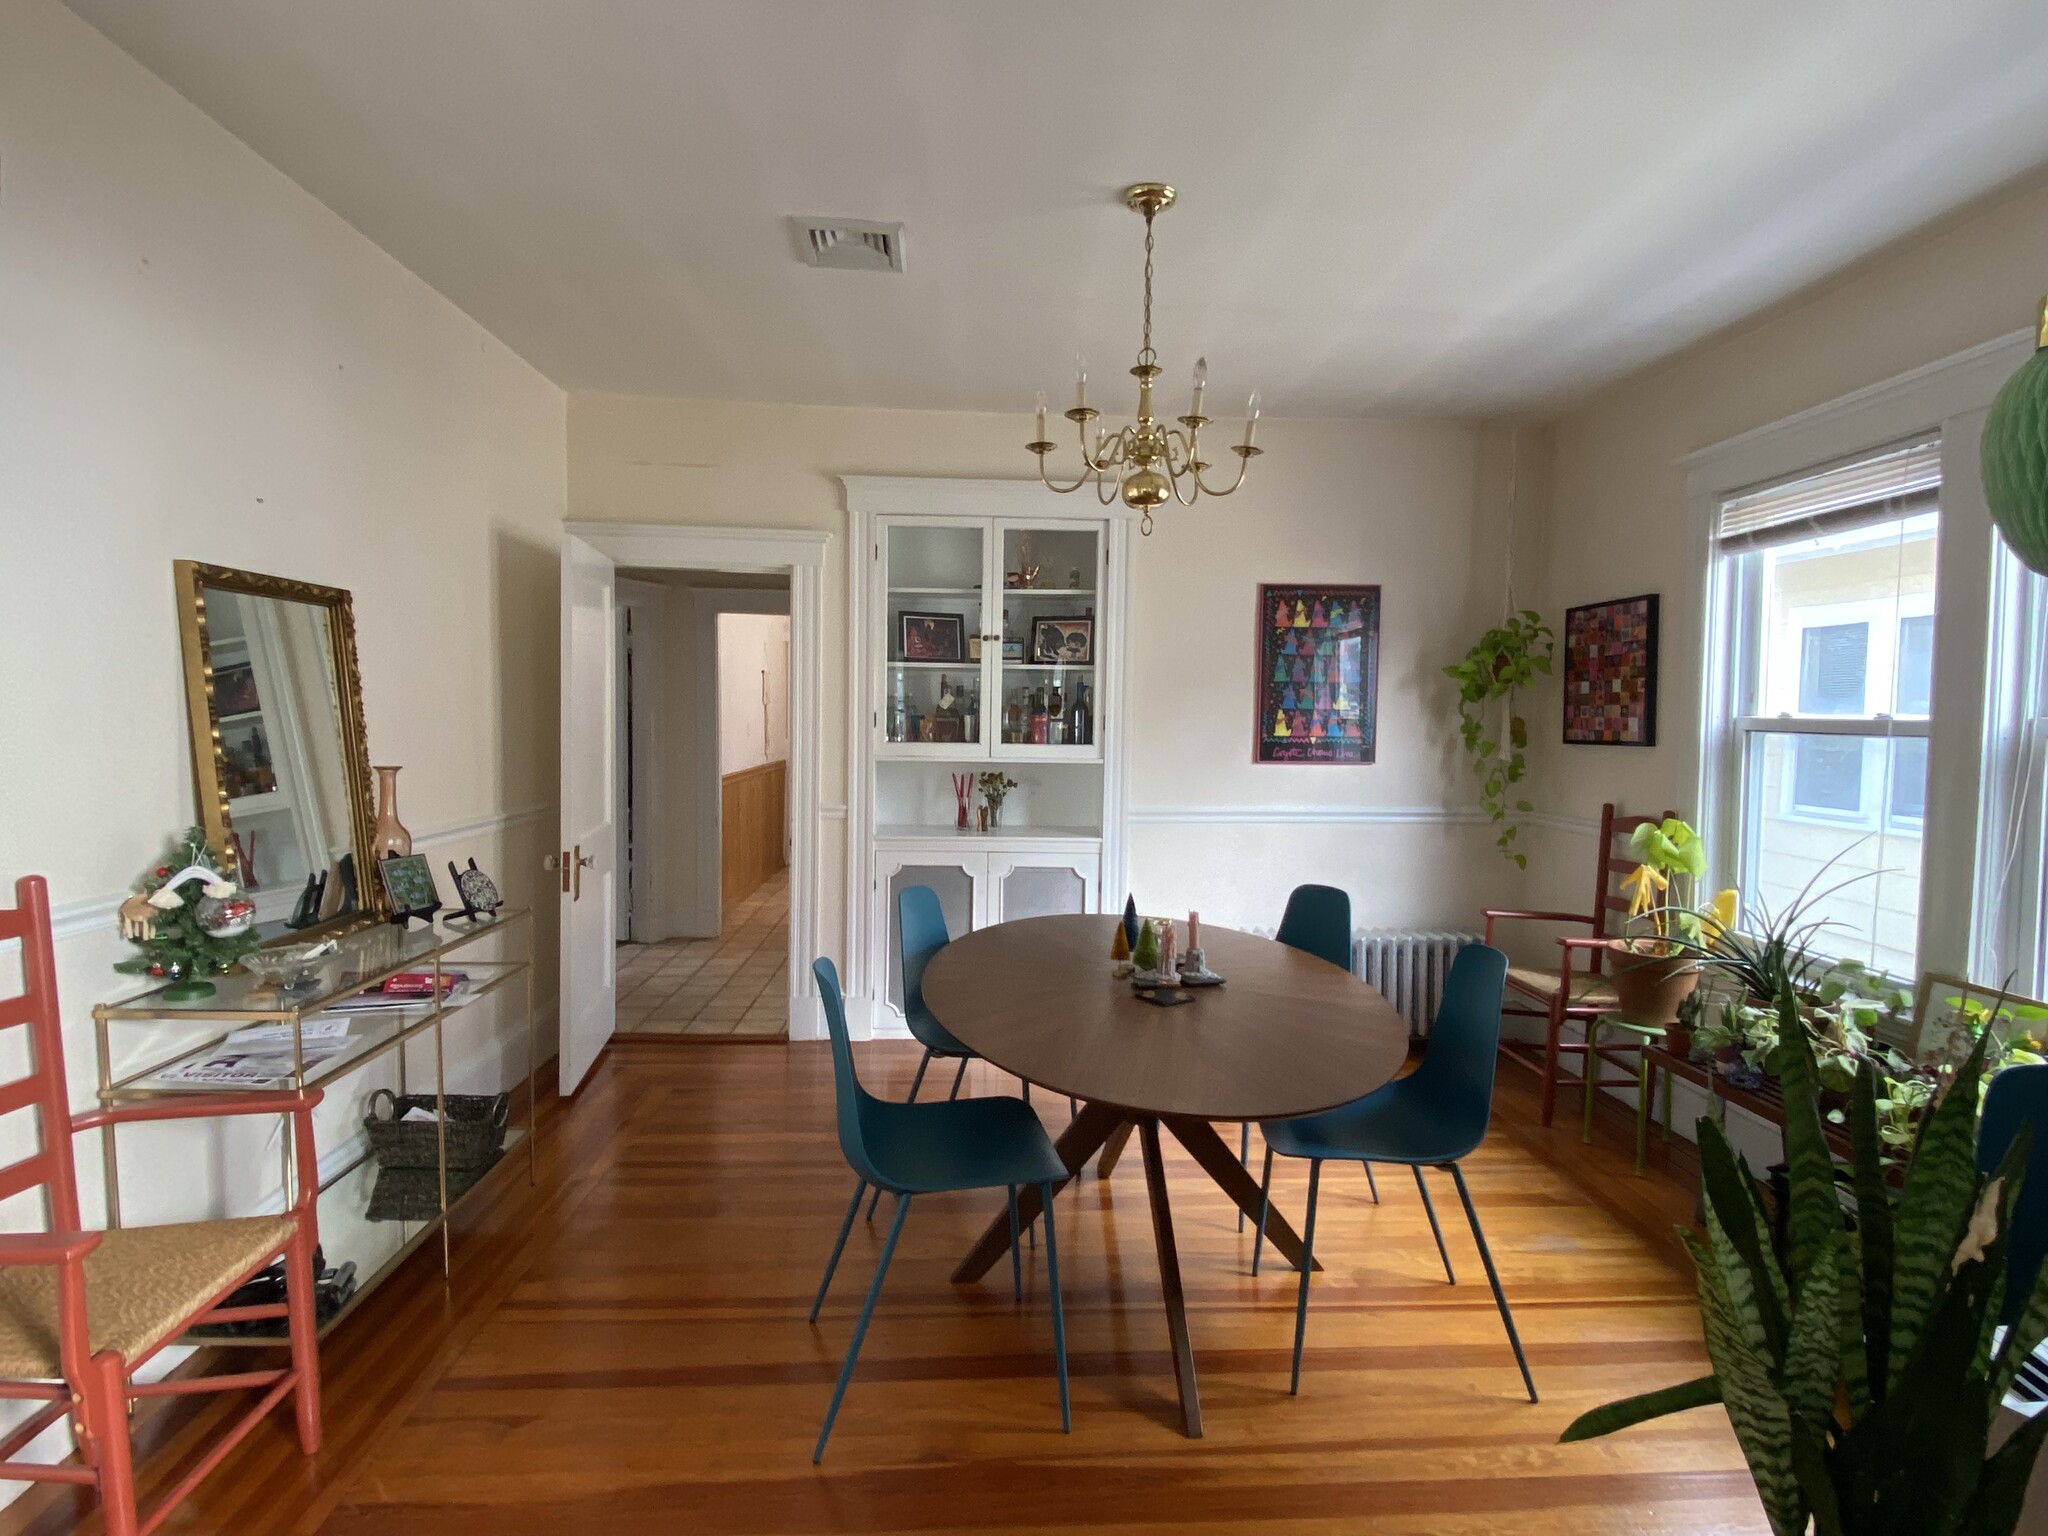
[{"x": 1146, "y": 350}]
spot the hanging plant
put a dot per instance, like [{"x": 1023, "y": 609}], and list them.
[{"x": 1506, "y": 658}]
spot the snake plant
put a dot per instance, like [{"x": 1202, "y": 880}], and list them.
[{"x": 1856, "y": 1359}]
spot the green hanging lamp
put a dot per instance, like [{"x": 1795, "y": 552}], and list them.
[{"x": 2015, "y": 455}]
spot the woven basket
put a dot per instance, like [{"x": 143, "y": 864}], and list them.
[
  {"x": 414, "y": 1194},
  {"x": 476, "y": 1131}
]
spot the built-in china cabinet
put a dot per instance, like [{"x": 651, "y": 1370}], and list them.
[{"x": 987, "y": 637}]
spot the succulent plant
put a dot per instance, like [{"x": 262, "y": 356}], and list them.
[{"x": 1858, "y": 1364}]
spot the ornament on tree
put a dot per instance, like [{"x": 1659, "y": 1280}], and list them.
[{"x": 190, "y": 921}]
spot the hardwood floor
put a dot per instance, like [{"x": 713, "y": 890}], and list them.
[{"x": 624, "y": 1350}]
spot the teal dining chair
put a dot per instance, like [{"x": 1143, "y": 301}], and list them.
[
  {"x": 1434, "y": 1117},
  {"x": 1317, "y": 922},
  {"x": 2018, "y": 1097},
  {"x": 928, "y": 1149}
]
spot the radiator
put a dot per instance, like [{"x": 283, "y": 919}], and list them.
[{"x": 1409, "y": 969}]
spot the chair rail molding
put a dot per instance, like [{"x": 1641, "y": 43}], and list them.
[{"x": 1308, "y": 815}]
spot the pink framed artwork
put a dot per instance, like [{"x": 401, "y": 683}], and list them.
[
  {"x": 1610, "y": 673},
  {"x": 1318, "y": 683}
]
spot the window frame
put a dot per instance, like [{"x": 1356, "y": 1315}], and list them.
[{"x": 1949, "y": 396}]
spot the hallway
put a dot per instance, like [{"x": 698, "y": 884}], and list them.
[{"x": 736, "y": 985}]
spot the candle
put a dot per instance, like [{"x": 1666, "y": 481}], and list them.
[
  {"x": 1080, "y": 382},
  {"x": 1194, "y": 930},
  {"x": 1201, "y": 383},
  {"x": 1251, "y": 418},
  {"x": 1041, "y": 416}
]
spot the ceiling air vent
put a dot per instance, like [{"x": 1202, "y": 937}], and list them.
[{"x": 855, "y": 245}]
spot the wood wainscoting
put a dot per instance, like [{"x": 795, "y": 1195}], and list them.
[{"x": 753, "y": 825}]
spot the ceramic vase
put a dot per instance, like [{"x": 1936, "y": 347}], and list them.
[{"x": 390, "y": 835}]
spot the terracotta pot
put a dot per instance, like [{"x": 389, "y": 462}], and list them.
[
  {"x": 1649, "y": 988},
  {"x": 1678, "y": 1041},
  {"x": 390, "y": 835}
]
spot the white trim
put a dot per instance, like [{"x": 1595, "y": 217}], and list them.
[
  {"x": 1557, "y": 821},
  {"x": 1313, "y": 815},
  {"x": 654, "y": 546},
  {"x": 918, "y": 496},
  {"x": 801, "y": 553},
  {"x": 832, "y": 812}
]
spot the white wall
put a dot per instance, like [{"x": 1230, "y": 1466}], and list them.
[
  {"x": 753, "y": 690},
  {"x": 1417, "y": 506},
  {"x": 202, "y": 361}
]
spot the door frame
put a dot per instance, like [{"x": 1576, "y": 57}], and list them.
[{"x": 800, "y": 554}]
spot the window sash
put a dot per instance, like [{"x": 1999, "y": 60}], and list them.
[{"x": 1831, "y": 725}]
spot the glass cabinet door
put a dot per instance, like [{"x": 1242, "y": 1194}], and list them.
[
  {"x": 956, "y": 884},
  {"x": 1045, "y": 684},
  {"x": 933, "y": 680}
]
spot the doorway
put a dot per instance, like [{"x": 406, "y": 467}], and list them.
[{"x": 704, "y": 796}]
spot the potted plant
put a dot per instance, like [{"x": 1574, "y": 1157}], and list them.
[
  {"x": 1506, "y": 658},
  {"x": 1860, "y": 1369},
  {"x": 1652, "y": 972},
  {"x": 1739, "y": 1041}
]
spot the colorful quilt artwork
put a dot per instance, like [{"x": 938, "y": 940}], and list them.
[
  {"x": 1319, "y": 665},
  {"x": 1610, "y": 673}
]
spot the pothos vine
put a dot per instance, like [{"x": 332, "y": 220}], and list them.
[{"x": 1506, "y": 658}]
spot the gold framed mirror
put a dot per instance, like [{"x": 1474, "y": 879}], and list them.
[{"x": 279, "y": 752}]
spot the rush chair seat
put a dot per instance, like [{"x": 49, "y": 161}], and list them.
[
  {"x": 82, "y": 1312},
  {"x": 1577, "y": 988}
]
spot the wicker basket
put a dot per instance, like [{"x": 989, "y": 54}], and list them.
[
  {"x": 476, "y": 1131},
  {"x": 414, "y": 1194}
]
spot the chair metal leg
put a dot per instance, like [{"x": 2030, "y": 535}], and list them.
[
  {"x": 1244, "y": 1160},
  {"x": 1308, "y": 1253},
  {"x": 1073, "y": 1107},
  {"x": 859, "y": 1188},
  {"x": 1265, "y": 1205},
  {"x": 957, "y": 1076},
  {"x": 1059, "y": 1318},
  {"x": 1436, "y": 1231},
  {"x": 1026, "y": 1095},
  {"x": 1372, "y": 1184},
  {"x": 1016, "y": 1251},
  {"x": 922, "y": 1062},
  {"x": 1493, "y": 1279},
  {"x": 860, "y": 1329}
]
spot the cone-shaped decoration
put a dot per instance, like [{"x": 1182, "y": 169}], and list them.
[
  {"x": 1131, "y": 921},
  {"x": 2015, "y": 457},
  {"x": 1146, "y": 955},
  {"x": 1119, "y": 951}
]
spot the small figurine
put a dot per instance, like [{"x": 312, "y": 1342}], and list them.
[
  {"x": 1119, "y": 948},
  {"x": 138, "y": 919},
  {"x": 1169, "y": 969},
  {"x": 1131, "y": 921},
  {"x": 1145, "y": 958}
]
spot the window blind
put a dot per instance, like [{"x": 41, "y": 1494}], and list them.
[{"x": 1878, "y": 488}]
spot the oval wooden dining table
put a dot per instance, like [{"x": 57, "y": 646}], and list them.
[{"x": 1287, "y": 1034}]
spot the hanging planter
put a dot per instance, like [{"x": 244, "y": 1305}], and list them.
[
  {"x": 2015, "y": 457},
  {"x": 1505, "y": 659}
]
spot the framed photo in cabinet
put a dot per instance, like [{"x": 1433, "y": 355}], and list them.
[{"x": 931, "y": 637}]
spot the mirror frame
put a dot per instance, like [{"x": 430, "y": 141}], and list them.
[{"x": 209, "y": 767}]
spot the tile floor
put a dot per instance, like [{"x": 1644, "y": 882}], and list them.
[{"x": 735, "y": 985}]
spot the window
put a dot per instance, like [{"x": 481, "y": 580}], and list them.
[
  {"x": 2010, "y": 946},
  {"x": 1824, "y": 608}
]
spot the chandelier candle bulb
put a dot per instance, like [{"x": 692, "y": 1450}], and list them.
[
  {"x": 1251, "y": 418},
  {"x": 1201, "y": 383},
  {"x": 1041, "y": 416},
  {"x": 1080, "y": 382}
]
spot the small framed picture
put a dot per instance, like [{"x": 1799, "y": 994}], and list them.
[
  {"x": 409, "y": 882},
  {"x": 1063, "y": 642},
  {"x": 234, "y": 690},
  {"x": 930, "y": 637}
]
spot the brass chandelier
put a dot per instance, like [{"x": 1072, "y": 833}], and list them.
[{"x": 1146, "y": 463}]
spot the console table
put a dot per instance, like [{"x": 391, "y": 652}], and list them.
[{"x": 191, "y": 1030}]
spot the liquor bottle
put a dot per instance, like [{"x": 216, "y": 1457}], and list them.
[
  {"x": 1083, "y": 732},
  {"x": 1038, "y": 720},
  {"x": 1056, "y": 717}
]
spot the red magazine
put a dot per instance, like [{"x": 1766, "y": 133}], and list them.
[{"x": 421, "y": 983}]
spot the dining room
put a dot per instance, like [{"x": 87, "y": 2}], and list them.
[{"x": 804, "y": 767}]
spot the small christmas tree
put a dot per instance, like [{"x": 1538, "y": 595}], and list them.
[
  {"x": 190, "y": 934},
  {"x": 1119, "y": 951},
  {"x": 1146, "y": 955}
]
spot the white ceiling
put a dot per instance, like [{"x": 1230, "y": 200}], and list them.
[{"x": 1406, "y": 205}]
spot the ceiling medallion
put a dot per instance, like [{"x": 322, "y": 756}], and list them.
[{"x": 1146, "y": 463}]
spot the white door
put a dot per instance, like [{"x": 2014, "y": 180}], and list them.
[{"x": 589, "y": 842}]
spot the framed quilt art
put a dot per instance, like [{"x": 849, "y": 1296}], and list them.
[
  {"x": 1318, "y": 675},
  {"x": 1610, "y": 673}
]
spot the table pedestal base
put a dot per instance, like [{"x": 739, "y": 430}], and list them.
[{"x": 1100, "y": 1127}]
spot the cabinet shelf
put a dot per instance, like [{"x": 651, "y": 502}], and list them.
[{"x": 904, "y": 832}]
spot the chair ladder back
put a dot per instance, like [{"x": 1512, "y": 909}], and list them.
[
  {"x": 1615, "y": 866},
  {"x": 43, "y": 1089}
]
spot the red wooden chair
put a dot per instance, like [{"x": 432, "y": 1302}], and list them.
[
  {"x": 1578, "y": 992},
  {"x": 81, "y": 1312}
]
